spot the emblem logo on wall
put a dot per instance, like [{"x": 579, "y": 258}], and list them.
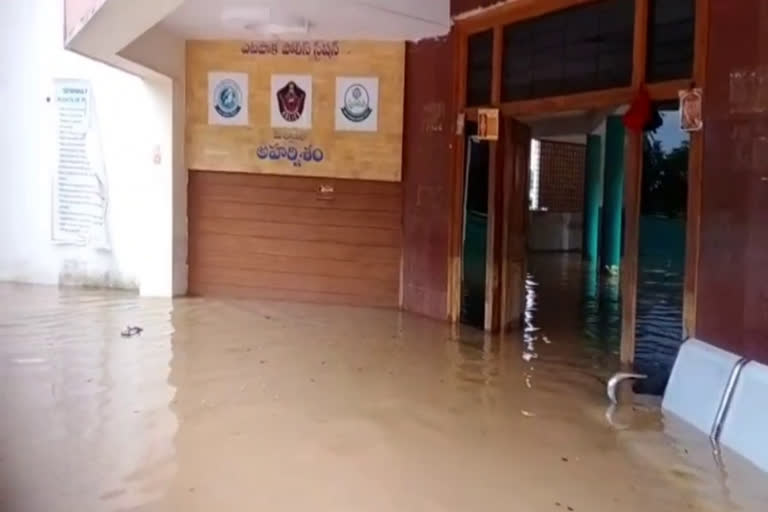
[
  {"x": 228, "y": 98},
  {"x": 357, "y": 103},
  {"x": 291, "y": 102}
]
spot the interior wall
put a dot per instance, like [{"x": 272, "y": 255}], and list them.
[
  {"x": 374, "y": 155},
  {"x": 160, "y": 57},
  {"x": 28, "y": 159},
  {"x": 732, "y": 294},
  {"x": 427, "y": 162},
  {"x": 561, "y": 176},
  {"x": 558, "y": 226},
  {"x": 125, "y": 34},
  {"x": 329, "y": 231}
]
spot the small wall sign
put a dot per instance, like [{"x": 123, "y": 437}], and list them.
[
  {"x": 291, "y": 101},
  {"x": 460, "y": 121},
  {"x": 357, "y": 104},
  {"x": 228, "y": 98},
  {"x": 488, "y": 123},
  {"x": 690, "y": 110}
]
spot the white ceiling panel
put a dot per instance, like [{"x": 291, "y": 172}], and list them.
[{"x": 327, "y": 19}]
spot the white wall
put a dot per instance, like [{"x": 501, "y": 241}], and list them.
[
  {"x": 162, "y": 57},
  {"x": 31, "y": 58}
]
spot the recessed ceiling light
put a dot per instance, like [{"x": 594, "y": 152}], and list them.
[
  {"x": 242, "y": 16},
  {"x": 301, "y": 27}
]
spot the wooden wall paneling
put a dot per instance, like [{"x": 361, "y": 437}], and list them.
[
  {"x": 427, "y": 158},
  {"x": 240, "y": 291},
  {"x": 354, "y": 155},
  {"x": 313, "y": 215},
  {"x": 277, "y": 197},
  {"x": 307, "y": 239}
]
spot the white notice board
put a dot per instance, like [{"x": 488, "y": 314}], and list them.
[{"x": 80, "y": 194}]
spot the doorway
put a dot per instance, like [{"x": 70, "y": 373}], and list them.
[
  {"x": 576, "y": 231},
  {"x": 661, "y": 248},
  {"x": 494, "y": 220},
  {"x": 562, "y": 59},
  {"x": 475, "y": 228}
]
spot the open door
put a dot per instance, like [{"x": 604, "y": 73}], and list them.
[
  {"x": 514, "y": 221},
  {"x": 495, "y": 210},
  {"x": 475, "y": 229}
]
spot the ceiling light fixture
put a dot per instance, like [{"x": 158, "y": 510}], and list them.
[{"x": 265, "y": 21}]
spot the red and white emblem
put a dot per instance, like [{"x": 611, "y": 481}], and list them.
[{"x": 291, "y": 100}]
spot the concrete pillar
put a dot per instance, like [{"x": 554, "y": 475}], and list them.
[
  {"x": 592, "y": 196},
  {"x": 613, "y": 195}
]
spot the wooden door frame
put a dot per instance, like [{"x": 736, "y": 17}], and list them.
[
  {"x": 515, "y": 183},
  {"x": 495, "y": 19}
]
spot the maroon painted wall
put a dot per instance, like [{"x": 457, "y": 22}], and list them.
[
  {"x": 427, "y": 162},
  {"x": 733, "y": 267},
  {"x": 460, "y": 6}
]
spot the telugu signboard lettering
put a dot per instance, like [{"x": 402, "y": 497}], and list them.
[
  {"x": 296, "y": 156},
  {"x": 313, "y": 49}
]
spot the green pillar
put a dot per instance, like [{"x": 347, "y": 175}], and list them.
[
  {"x": 613, "y": 195},
  {"x": 593, "y": 184}
]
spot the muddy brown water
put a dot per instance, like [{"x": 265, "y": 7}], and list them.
[{"x": 242, "y": 406}]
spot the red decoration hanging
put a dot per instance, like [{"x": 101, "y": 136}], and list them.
[{"x": 639, "y": 112}]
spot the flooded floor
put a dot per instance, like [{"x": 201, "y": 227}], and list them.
[{"x": 242, "y": 406}]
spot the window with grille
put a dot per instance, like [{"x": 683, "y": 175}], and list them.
[
  {"x": 671, "y": 27},
  {"x": 533, "y": 182},
  {"x": 479, "y": 68},
  {"x": 579, "y": 49}
]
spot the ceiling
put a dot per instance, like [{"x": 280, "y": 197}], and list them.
[{"x": 327, "y": 19}]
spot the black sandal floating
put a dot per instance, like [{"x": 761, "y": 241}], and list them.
[{"x": 131, "y": 331}]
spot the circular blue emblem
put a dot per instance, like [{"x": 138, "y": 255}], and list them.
[
  {"x": 228, "y": 98},
  {"x": 357, "y": 103}
]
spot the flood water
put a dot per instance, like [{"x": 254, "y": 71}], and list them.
[
  {"x": 233, "y": 405},
  {"x": 596, "y": 309}
]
